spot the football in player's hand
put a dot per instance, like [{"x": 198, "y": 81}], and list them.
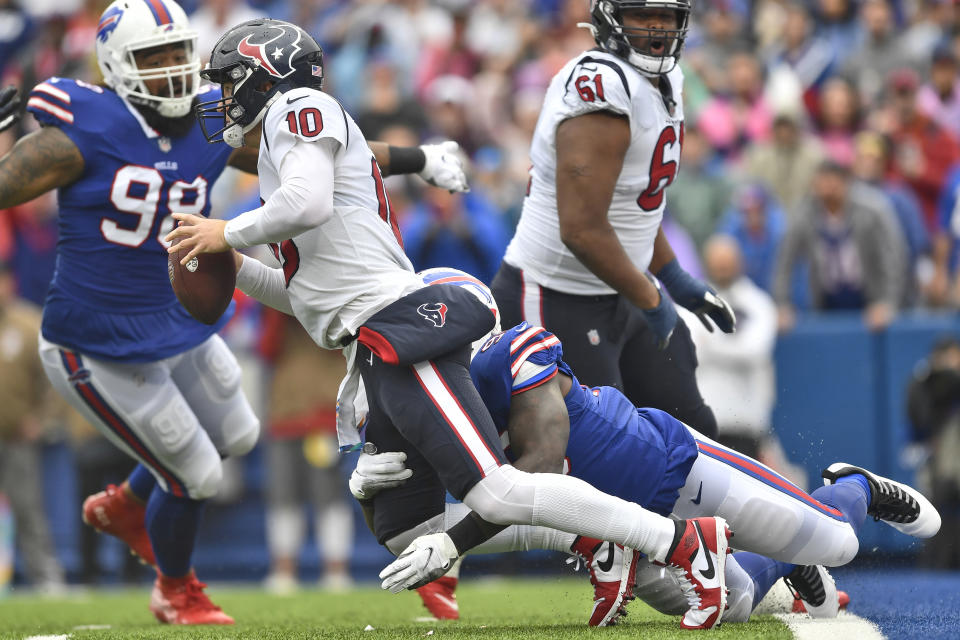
[{"x": 204, "y": 286}]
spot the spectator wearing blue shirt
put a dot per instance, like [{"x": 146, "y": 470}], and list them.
[{"x": 465, "y": 232}]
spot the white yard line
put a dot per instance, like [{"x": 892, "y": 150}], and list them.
[
  {"x": 847, "y": 626},
  {"x": 58, "y": 637}
]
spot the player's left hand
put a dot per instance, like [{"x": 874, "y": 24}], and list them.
[
  {"x": 424, "y": 560},
  {"x": 698, "y": 297},
  {"x": 198, "y": 235},
  {"x": 444, "y": 166}
]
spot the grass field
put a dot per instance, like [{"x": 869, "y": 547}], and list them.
[{"x": 528, "y": 609}]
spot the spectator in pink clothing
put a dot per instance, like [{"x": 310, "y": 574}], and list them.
[
  {"x": 740, "y": 117},
  {"x": 940, "y": 98},
  {"x": 453, "y": 58},
  {"x": 839, "y": 119}
]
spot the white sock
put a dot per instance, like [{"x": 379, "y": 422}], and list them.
[
  {"x": 334, "y": 527},
  {"x": 509, "y": 496},
  {"x": 285, "y": 531}
]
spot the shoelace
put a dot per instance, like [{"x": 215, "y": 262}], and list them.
[
  {"x": 687, "y": 586},
  {"x": 195, "y": 595}
]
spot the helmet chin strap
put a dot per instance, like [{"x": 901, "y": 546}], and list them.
[{"x": 234, "y": 134}]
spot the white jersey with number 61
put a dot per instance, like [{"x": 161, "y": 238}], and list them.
[{"x": 597, "y": 81}]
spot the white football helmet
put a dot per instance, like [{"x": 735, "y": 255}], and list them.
[
  {"x": 127, "y": 26},
  {"x": 446, "y": 275}
]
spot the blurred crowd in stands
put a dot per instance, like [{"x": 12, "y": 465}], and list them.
[{"x": 820, "y": 171}]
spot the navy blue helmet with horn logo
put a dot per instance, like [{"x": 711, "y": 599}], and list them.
[
  {"x": 653, "y": 52},
  {"x": 256, "y": 62}
]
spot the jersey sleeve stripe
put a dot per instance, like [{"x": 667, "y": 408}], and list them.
[
  {"x": 545, "y": 376},
  {"x": 519, "y": 341},
  {"x": 51, "y": 90},
  {"x": 536, "y": 346},
  {"x": 43, "y": 105}
]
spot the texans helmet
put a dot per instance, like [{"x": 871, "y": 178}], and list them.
[
  {"x": 129, "y": 26},
  {"x": 257, "y": 61},
  {"x": 654, "y": 52}
]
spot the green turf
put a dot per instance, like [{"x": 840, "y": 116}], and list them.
[{"x": 529, "y": 609}]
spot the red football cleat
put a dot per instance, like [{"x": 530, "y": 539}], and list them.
[
  {"x": 612, "y": 570},
  {"x": 698, "y": 558},
  {"x": 182, "y": 601},
  {"x": 115, "y": 513},
  {"x": 440, "y": 599}
]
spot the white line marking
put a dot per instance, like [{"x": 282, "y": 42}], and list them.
[
  {"x": 92, "y": 627},
  {"x": 847, "y": 626},
  {"x": 60, "y": 637}
]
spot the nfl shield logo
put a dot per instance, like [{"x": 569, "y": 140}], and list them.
[
  {"x": 593, "y": 336},
  {"x": 165, "y": 144}
]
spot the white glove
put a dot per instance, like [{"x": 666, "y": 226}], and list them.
[
  {"x": 424, "y": 560},
  {"x": 376, "y": 472},
  {"x": 444, "y": 166}
]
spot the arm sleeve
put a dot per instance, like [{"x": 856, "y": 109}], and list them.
[
  {"x": 264, "y": 283},
  {"x": 303, "y": 201}
]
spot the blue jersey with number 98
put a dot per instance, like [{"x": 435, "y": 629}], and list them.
[{"x": 111, "y": 296}]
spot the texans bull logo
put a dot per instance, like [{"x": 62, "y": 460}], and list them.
[
  {"x": 275, "y": 55},
  {"x": 435, "y": 312}
]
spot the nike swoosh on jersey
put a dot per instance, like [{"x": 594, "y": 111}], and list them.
[
  {"x": 709, "y": 572},
  {"x": 292, "y": 100},
  {"x": 699, "y": 493},
  {"x": 607, "y": 564}
]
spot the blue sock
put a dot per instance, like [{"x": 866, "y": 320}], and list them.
[
  {"x": 859, "y": 478},
  {"x": 848, "y": 495},
  {"x": 763, "y": 571},
  {"x": 172, "y": 525},
  {"x": 141, "y": 483}
]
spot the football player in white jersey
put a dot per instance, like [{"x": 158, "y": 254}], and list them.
[
  {"x": 160, "y": 385},
  {"x": 605, "y": 149},
  {"x": 345, "y": 277}
]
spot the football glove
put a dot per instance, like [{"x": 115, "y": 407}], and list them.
[
  {"x": 9, "y": 107},
  {"x": 662, "y": 318},
  {"x": 444, "y": 166},
  {"x": 698, "y": 297},
  {"x": 376, "y": 472},
  {"x": 424, "y": 560}
]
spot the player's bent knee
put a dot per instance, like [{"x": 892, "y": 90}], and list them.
[
  {"x": 208, "y": 483},
  {"x": 241, "y": 435},
  {"x": 504, "y": 496}
]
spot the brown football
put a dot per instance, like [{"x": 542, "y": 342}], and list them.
[{"x": 205, "y": 285}]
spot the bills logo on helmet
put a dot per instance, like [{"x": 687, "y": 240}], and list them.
[
  {"x": 108, "y": 23},
  {"x": 275, "y": 55},
  {"x": 435, "y": 312}
]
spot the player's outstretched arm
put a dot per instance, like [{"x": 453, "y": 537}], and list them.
[{"x": 39, "y": 162}]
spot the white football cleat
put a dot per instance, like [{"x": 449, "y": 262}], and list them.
[
  {"x": 899, "y": 505},
  {"x": 814, "y": 587}
]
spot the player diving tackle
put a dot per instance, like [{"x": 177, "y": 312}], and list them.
[{"x": 547, "y": 420}]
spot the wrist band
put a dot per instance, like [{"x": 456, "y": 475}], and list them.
[{"x": 406, "y": 160}]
